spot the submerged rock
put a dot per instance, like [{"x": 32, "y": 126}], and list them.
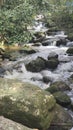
[
  {"x": 58, "y": 86},
  {"x": 62, "y": 99},
  {"x": 62, "y": 120},
  {"x": 26, "y": 103},
  {"x": 36, "y": 65},
  {"x": 6, "y": 124}
]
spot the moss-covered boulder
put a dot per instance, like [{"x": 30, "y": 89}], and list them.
[
  {"x": 58, "y": 86},
  {"x": 70, "y": 51},
  {"x": 6, "y": 124},
  {"x": 70, "y": 36},
  {"x": 36, "y": 65},
  {"x": 62, "y": 120},
  {"x": 62, "y": 99},
  {"x": 52, "y": 63},
  {"x": 26, "y": 103}
]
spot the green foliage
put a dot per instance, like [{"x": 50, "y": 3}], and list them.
[{"x": 16, "y": 15}]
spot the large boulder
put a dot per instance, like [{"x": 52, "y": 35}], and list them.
[
  {"x": 58, "y": 86},
  {"x": 62, "y": 120},
  {"x": 36, "y": 65},
  {"x": 6, "y": 124},
  {"x": 26, "y": 103}
]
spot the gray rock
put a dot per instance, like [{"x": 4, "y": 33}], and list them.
[
  {"x": 6, "y": 124},
  {"x": 61, "y": 42},
  {"x": 26, "y": 103},
  {"x": 62, "y": 120},
  {"x": 62, "y": 99},
  {"x": 58, "y": 86},
  {"x": 70, "y": 51},
  {"x": 36, "y": 65},
  {"x": 52, "y": 55}
]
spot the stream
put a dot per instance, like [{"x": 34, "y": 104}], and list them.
[{"x": 61, "y": 73}]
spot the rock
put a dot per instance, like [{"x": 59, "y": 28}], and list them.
[
  {"x": 52, "y": 63},
  {"x": 70, "y": 44},
  {"x": 46, "y": 79},
  {"x": 6, "y": 124},
  {"x": 2, "y": 70},
  {"x": 27, "y": 51},
  {"x": 46, "y": 42},
  {"x": 72, "y": 106},
  {"x": 26, "y": 103},
  {"x": 70, "y": 36},
  {"x": 62, "y": 120},
  {"x": 52, "y": 55},
  {"x": 58, "y": 86},
  {"x": 71, "y": 79},
  {"x": 36, "y": 65},
  {"x": 36, "y": 44},
  {"x": 38, "y": 37},
  {"x": 61, "y": 42},
  {"x": 62, "y": 99},
  {"x": 70, "y": 51}
]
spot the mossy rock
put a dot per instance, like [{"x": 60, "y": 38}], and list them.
[
  {"x": 52, "y": 63},
  {"x": 26, "y": 103},
  {"x": 27, "y": 50},
  {"x": 61, "y": 42},
  {"x": 36, "y": 65},
  {"x": 6, "y": 124},
  {"x": 62, "y": 99},
  {"x": 62, "y": 120},
  {"x": 70, "y": 36},
  {"x": 70, "y": 51},
  {"x": 58, "y": 86}
]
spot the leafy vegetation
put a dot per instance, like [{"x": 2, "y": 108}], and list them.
[{"x": 16, "y": 16}]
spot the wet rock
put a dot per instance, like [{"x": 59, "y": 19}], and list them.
[
  {"x": 46, "y": 42},
  {"x": 70, "y": 44},
  {"x": 6, "y": 124},
  {"x": 62, "y": 99},
  {"x": 38, "y": 37},
  {"x": 70, "y": 36},
  {"x": 58, "y": 86},
  {"x": 2, "y": 70},
  {"x": 36, "y": 44},
  {"x": 52, "y": 63},
  {"x": 26, "y": 103},
  {"x": 71, "y": 79},
  {"x": 36, "y": 65},
  {"x": 72, "y": 106},
  {"x": 70, "y": 51},
  {"x": 62, "y": 120},
  {"x": 61, "y": 42},
  {"x": 46, "y": 79},
  {"x": 52, "y": 55},
  {"x": 27, "y": 51}
]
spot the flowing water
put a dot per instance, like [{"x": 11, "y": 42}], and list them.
[{"x": 62, "y": 72}]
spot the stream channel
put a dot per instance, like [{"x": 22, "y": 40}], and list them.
[{"x": 63, "y": 71}]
